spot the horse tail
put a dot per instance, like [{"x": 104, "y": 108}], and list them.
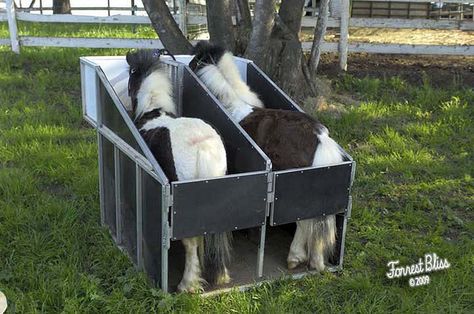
[
  {"x": 217, "y": 254},
  {"x": 323, "y": 230},
  {"x": 215, "y": 251},
  {"x": 211, "y": 158}
]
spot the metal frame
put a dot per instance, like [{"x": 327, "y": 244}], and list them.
[{"x": 100, "y": 89}]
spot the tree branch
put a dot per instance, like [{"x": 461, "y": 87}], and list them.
[
  {"x": 166, "y": 27},
  {"x": 262, "y": 28},
  {"x": 219, "y": 23},
  {"x": 318, "y": 39}
]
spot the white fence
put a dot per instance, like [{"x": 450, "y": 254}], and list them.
[{"x": 340, "y": 18}]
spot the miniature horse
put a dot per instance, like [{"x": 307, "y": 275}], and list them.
[
  {"x": 290, "y": 139},
  {"x": 186, "y": 148}
]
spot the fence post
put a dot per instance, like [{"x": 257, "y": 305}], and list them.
[
  {"x": 344, "y": 39},
  {"x": 12, "y": 28}
]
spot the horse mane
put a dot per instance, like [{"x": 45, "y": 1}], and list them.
[
  {"x": 216, "y": 68},
  {"x": 149, "y": 85}
]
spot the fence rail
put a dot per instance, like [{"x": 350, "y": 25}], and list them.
[{"x": 343, "y": 22}]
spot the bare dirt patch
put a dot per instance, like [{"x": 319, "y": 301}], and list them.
[{"x": 441, "y": 71}]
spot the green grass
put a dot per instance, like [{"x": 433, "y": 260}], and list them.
[
  {"x": 414, "y": 194},
  {"x": 80, "y": 30}
]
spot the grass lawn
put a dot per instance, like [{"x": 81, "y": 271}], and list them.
[{"x": 413, "y": 195}]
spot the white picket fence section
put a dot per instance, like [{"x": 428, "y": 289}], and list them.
[{"x": 340, "y": 18}]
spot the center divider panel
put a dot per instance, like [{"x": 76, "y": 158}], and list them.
[
  {"x": 312, "y": 192},
  {"x": 218, "y": 205},
  {"x": 235, "y": 201},
  {"x": 243, "y": 155}
]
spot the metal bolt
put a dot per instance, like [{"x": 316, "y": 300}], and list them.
[
  {"x": 238, "y": 178},
  {"x": 301, "y": 171},
  {"x": 264, "y": 199},
  {"x": 298, "y": 218},
  {"x": 276, "y": 198},
  {"x": 174, "y": 212},
  {"x": 235, "y": 228},
  {"x": 207, "y": 181}
]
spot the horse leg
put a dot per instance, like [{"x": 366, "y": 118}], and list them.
[
  {"x": 192, "y": 280},
  {"x": 298, "y": 253}
]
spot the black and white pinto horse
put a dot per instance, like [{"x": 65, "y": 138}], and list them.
[
  {"x": 290, "y": 139},
  {"x": 186, "y": 148}
]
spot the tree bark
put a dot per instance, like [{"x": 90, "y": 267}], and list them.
[
  {"x": 61, "y": 7},
  {"x": 219, "y": 23},
  {"x": 262, "y": 29},
  {"x": 291, "y": 14},
  {"x": 285, "y": 60},
  {"x": 166, "y": 27},
  {"x": 244, "y": 26},
  {"x": 245, "y": 17},
  {"x": 318, "y": 39}
]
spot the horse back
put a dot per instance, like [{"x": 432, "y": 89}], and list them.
[
  {"x": 159, "y": 142},
  {"x": 288, "y": 138}
]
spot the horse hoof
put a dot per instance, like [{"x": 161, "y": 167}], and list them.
[
  {"x": 293, "y": 264},
  {"x": 223, "y": 278},
  {"x": 190, "y": 287},
  {"x": 317, "y": 266}
]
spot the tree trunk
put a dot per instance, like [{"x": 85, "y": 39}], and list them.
[
  {"x": 318, "y": 40},
  {"x": 166, "y": 27},
  {"x": 291, "y": 14},
  {"x": 285, "y": 60},
  {"x": 244, "y": 26},
  {"x": 219, "y": 23},
  {"x": 262, "y": 29},
  {"x": 245, "y": 17},
  {"x": 61, "y": 7}
]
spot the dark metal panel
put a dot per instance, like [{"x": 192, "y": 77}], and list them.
[
  {"x": 309, "y": 193},
  {"x": 218, "y": 205},
  {"x": 152, "y": 226},
  {"x": 108, "y": 178},
  {"x": 128, "y": 205},
  {"x": 112, "y": 118},
  {"x": 242, "y": 155},
  {"x": 271, "y": 95}
]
